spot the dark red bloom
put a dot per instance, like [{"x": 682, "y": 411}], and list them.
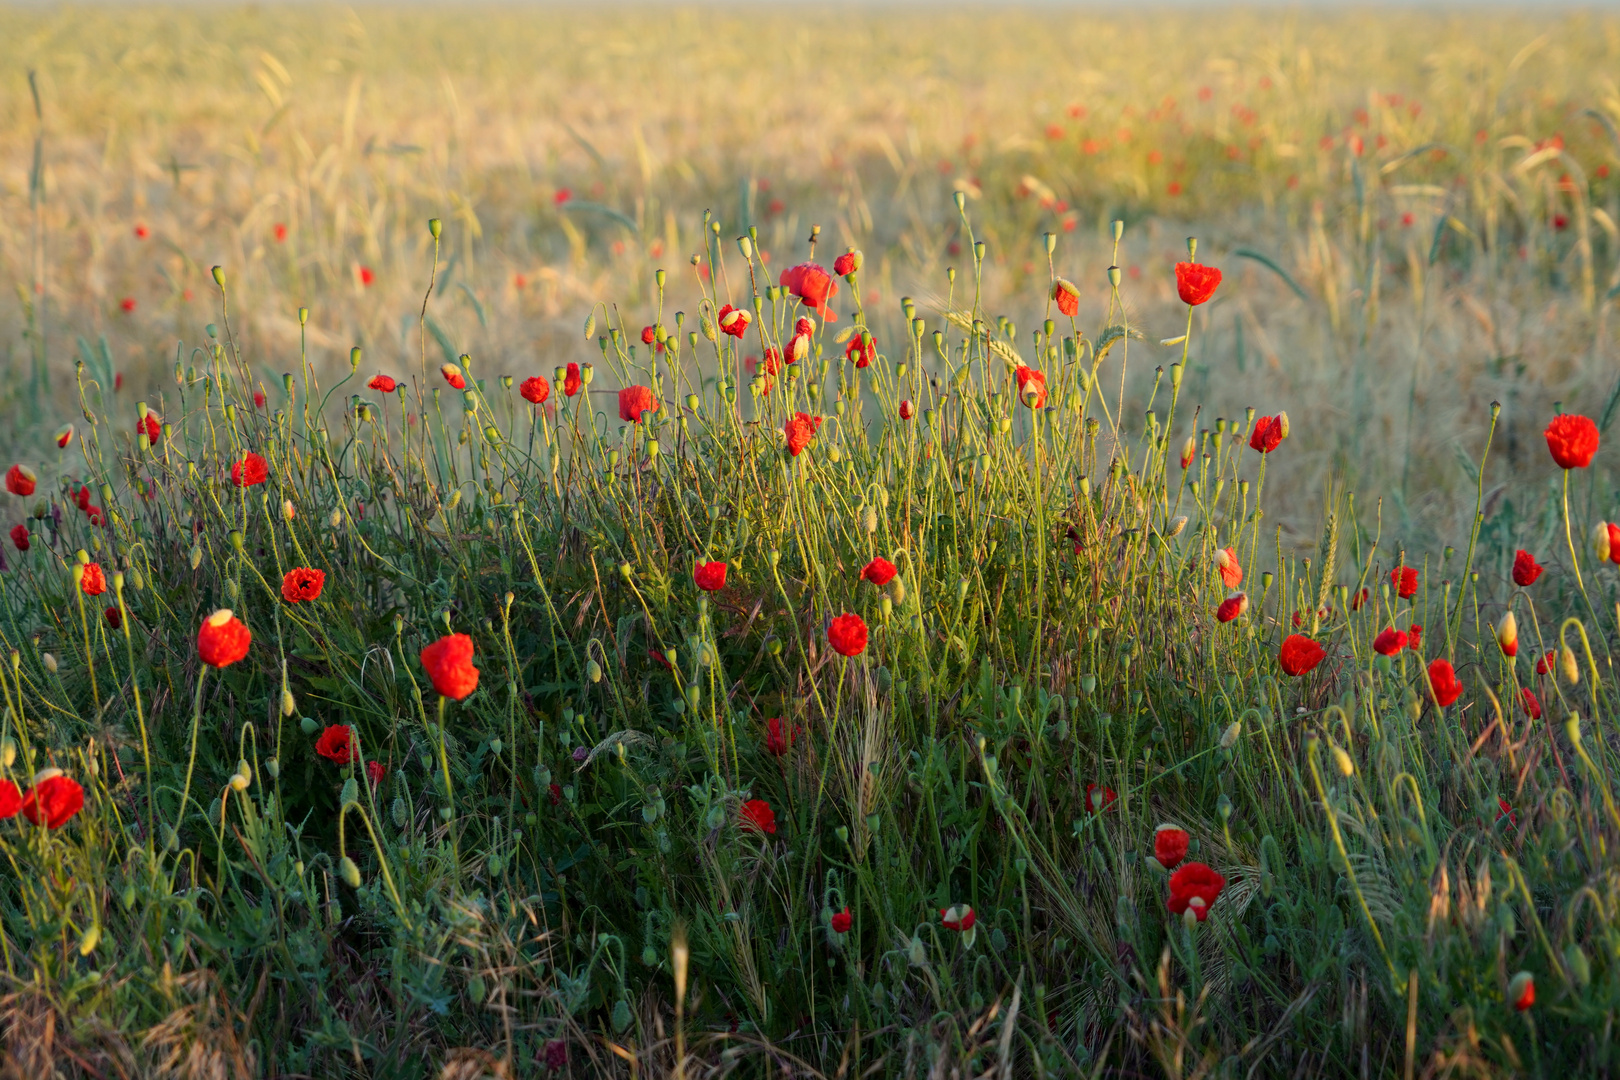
[
  {"x": 1099, "y": 797},
  {"x": 81, "y": 499},
  {"x": 710, "y": 576},
  {"x": 1390, "y": 642},
  {"x": 635, "y": 400},
  {"x": 907, "y": 410},
  {"x": 19, "y": 536},
  {"x": 1067, "y": 297},
  {"x": 1572, "y": 440},
  {"x": 861, "y": 349},
  {"x": 151, "y": 426},
  {"x": 1232, "y": 607},
  {"x": 383, "y": 384},
  {"x": 20, "y": 480},
  {"x": 572, "y": 382},
  {"x": 1299, "y": 654},
  {"x": 813, "y": 286},
  {"x": 11, "y": 799},
  {"x": 1503, "y": 810},
  {"x": 879, "y": 571},
  {"x": 842, "y": 921},
  {"x": 53, "y": 800},
  {"x": 648, "y": 335},
  {"x": 847, "y": 263},
  {"x": 779, "y": 737},
  {"x": 847, "y": 635},
  {"x": 1194, "y": 888},
  {"x": 302, "y": 583},
  {"x": 1443, "y": 681},
  {"x": 335, "y": 744},
  {"x": 114, "y": 617},
  {"x": 535, "y": 390},
  {"x": 554, "y": 792},
  {"x": 1525, "y": 569},
  {"x": 1530, "y": 703},
  {"x": 733, "y": 321},
  {"x": 1170, "y": 845},
  {"x": 258, "y": 398},
  {"x": 223, "y": 639},
  {"x": 1414, "y": 637},
  {"x": 800, "y": 429},
  {"x": 757, "y": 816},
  {"x": 1405, "y": 580},
  {"x": 449, "y": 665},
  {"x": 1031, "y": 382},
  {"x": 94, "y": 581},
  {"x": 1196, "y": 283},
  {"x": 251, "y": 470},
  {"x": 1522, "y": 991},
  {"x": 375, "y": 771},
  {"x": 1267, "y": 434},
  {"x": 1360, "y": 598}
]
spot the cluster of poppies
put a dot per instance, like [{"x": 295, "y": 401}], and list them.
[{"x": 51, "y": 800}]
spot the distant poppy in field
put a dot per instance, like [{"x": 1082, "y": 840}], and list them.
[
  {"x": 114, "y": 617},
  {"x": 1525, "y": 569},
  {"x": 535, "y": 389},
  {"x": 63, "y": 436},
  {"x": 1267, "y": 434},
  {"x": 649, "y": 335},
  {"x": 1522, "y": 991},
  {"x": 879, "y": 571},
  {"x": 1232, "y": 607},
  {"x": 1226, "y": 561},
  {"x": 813, "y": 286},
  {"x": 571, "y": 382},
  {"x": 151, "y": 427},
  {"x": 335, "y": 744},
  {"x": 1067, "y": 297},
  {"x": 1443, "y": 681},
  {"x": 1529, "y": 703},
  {"x": 1195, "y": 283},
  {"x": 733, "y": 321},
  {"x": 223, "y": 639},
  {"x": 1572, "y": 440},
  {"x": 20, "y": 480},
  {"x": 375, "y": 771},
  {"x": 366, "y": 276},
  {"x": 1099, "y": 797},
  {"x": 1405, "y": 581},
  {"x": 1507, "y": 634},
  {"x": 449, "y": 666},
  {"x": 800, "y": 429},
  {"x": 127, "y": 304},
  {"x": 19, "y": 537},
  {"x": 1299, "y": 655},
  {"x": 958, "y": 917},
  {"x": 454, "y": 376},
  {"x": 847, "y": 263},
  {"x": 779, "y": 736},
  {"x": 842, "y": 921},
  {"x": 635, "y": 400},
  {"x": 81, "y": 498},
  {"x": 301, "y": 584},
  {"x": 383, "y": 384},
  {"x": 847, "y": 635},
  {"x": 141, "y": 232},
  {"x": 1194, "y": 888},
  {"x": 1389, "y": 642},
  {"x": 53, "y": 800},
  {"x": 1505, "y": 810},
  {"x": 862, "y": 349},
  {"x": 1170, "y": 844},
  {"x": 11, "y": 799},
  {"x": 280, "y": 232},
  {"x": 250, "y": 471},
  {"x": 710, "y": 576},
  {"x": 757, "y": 816},
  {"x": 562, "y": 195},
  {"x": 1031, "y": 386},
  {"x": 94, "y": 581}
]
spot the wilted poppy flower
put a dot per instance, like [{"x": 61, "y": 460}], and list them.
[
  {"x": 758, "y": 816},
  {"x": 907, "y": 410},
  {"x": 63, "y": 436},
  {"x": 302, "y": 583},
  {"x": 53, "y": 800},
  {"x": 847, "y": 263},
  {"x": 1067, "y": 297},
  {"x": 800, "y": 428},
  {"x": 847, "y": 635},
  {"x": 813, "y": 286},
  {"x": 1299, "y": 654},
  {"x": 958, "y": 917},
  {"x": 223, "y": 639},
  {"x": 861, "y": 349},
  {"x": 1389, "y": 642},
  {"x": 1530, "y": 703},
  {"x": 335, "y": 744},
  {"x": 449, "y": 665},
  {"x": 11, "y": 799},
  {"x": 250, "y": 471},
  {"x": 20, "y": 480},
  {"x": 383, "y": 384},
  {"x": 1443, "y": 681},
  {"x": 1267, "y": 434},
  {"x": 114, "y": 617},
  {"x": 571, "y": 382},
  {"x": 733, "y": 321},
  {"x": 1507, "y": 634},
  {"x": 1226, "y": 561},
  {"x": 842, "y": 921},
  {"x": 1170, "y": 845},
  {"x": 535, "y": 390},
  {"x": 1525, "y": 569},
  {"x": 1099, "y": 797},
  {"x": 94, "y": 581},
  {"x": 1405, "y": 580},
  {"x": 779, "y": 737},
  {"x": 710, "y": 576},
  {"x": 879, "y": 571},
  {"x": 1031, "y": 385},
  {"x": 1522, "y": 991},
  {"x": 1572, "y": 440},
  {"x": 1194, "y": 888},
  {"x": 1196, "y": 283},
  {"x": 454, "y": 376},
  {"x": 1232, "y": 607},
  {"x": 375, "y": 771},
  {"x": 635, "y": 400},
  {"x": 151, "y": 426},
  {"x": 19, "y": 536},
  {"x": 1414, "y": 637}
]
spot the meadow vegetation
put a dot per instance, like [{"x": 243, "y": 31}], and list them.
[{"x": 684, "y": 542}]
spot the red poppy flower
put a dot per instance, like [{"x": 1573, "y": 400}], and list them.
[
  {"x": 11, "y": 799},
  {"x": 1194, "y": 888},
  {"x": 1530, "y": 703},
  {"x": 250, "y": 471},
  {"x": 535, "y": 390},
  {"x": 1099, "y": 797},
  {"x": 1170, "y": 845},
  {"x": 366, "y": 276},
  {"x": 1405, "y": 580},
  {"x": 141, "y": 232},
  {"x": 733, "y": 320},
  {"x": 81, "y": 498},
  {"x": 1504, "y": 810},
  {"x": 94, "y": 581},
  {"x": 842, "y": 921},
  {"x": 554, "y": 792},
  {"x": 757, "y": 816},
  {"x": 1414, "y": 637},
  {"x": 335, "y": 744},
  {"x": 1522, "y": 991},
  {"x": 779, "y": 737},
  {"x": 798, "y": 347},
  {"x": 907, "y": 410},
  {"x": 375, "y": 771},
  {"x": 635, "y": 400},
  {"x": 648, "y": 335},
  {"x": 1525, "y": 569},
  {"x": 449, "y": 665},
  {"x": 302, "y": 583},
  {"x": 1443, "y": 680},
  {"x": 879, "y": 571},
  {"x": 813, "y": 286},
  {"x": 1189, "y": 450},
  {"x": 1507, "y": 634},
  {"x": 571, "y": 383},
  {"x": 383, "y": 384},
  {"x": 1195, "y": 283},
  {"x": 280, "y": 232},
  {"x": 63, "y": 436},
  {"x": 847, "y": 263},
  {"x": 223, "y": 639},
  {"x": 454, "y": 376},
  {"x": 53, "y": 800},
  {"x": 1232, "y": 607},
  {"x": 847, "y": 635},
  {"x": 710, "y": 576},
  {"x": 127, "y": 304},
  {"x": 258, "y": 398},
  {"x": 1267, "y": 434},
  {"x": 861, "y": 349},
  {"x": 1031, "y": 383},
  {"x": 800, "y": 429},
  {"x": 1360, "y": 598},
  {"x": 1390, "y": 642},
  {"x": 151, "y": 427},
  {"x": 1067, "y": 297},
  {"x": 958, "y": 917},
  {"x": 1572, "y": 440},
  {"x": 19, "y": 536},
  {"x": 1226, "y": 561},
  {"x": 1299, "y": 654},
  {"x": 114, "y": 617},
  {"x": 20, "y": 480}
]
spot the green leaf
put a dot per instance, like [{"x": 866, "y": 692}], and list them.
[{"x": 1271, "y": 264}]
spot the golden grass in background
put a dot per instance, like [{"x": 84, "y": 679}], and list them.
[{"x": 1468, "y": 253}]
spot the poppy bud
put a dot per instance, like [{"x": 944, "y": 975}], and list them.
[
  {"x": 349, "y": 872},
  {"x": 590, "y": 331},
  {"x": 89, "y": 940},
  {"x": 308, "y": 725},
  {"x": 272, "y": 768},
  {"x": 50, "y": 662},
  {"x": 1229, "y": 737},
  {"x": 1566, "y": 661},
  {"x": 593, "y": 671},
  {"x": 337, "y": 515},
  {"x": 1522, "y": 991},
  {"x": 1176, "y": 525},
  {"x": 1600, "y": 541},
  {"x": 1282, "y": 423},
  {"x": 288, "y": 510},
  {"x": 196, "y": 556},
  {"x": 1507, "y": 635},
  {"x": 288, "y": 705},
  {"x": 1188, "y": 449},
  {"x": 1189, "y": 919},
  {"x": 1343, "y": 761},
  {"x": 435, "y": 227},
  {"x": 8, "y": 752}
]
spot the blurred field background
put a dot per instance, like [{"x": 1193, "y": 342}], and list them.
[{"x": 1432, "y": 195}]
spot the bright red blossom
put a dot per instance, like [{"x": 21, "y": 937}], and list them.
[
  {"x": 907, "y": 410},
  {"x": 11, "y": 799},
  {"x": 1195, "y": 283},
  {"x": 1194, "y": 888},
  {"x": 1267, "y": 434},
  {"x": 959, "y": 917},
  {"x": 223, "y": 639},
  {"x": 1443, "y": 681},
  {"x": 879, "y": 571},
  {"x": 375, "y": 771},
  {"x": 1299, "y": 655},
  {"x": 1572, "y": 440},
  {"x": 1389, "y": 642},
  {"x": 635, "y": 400},
  {"x": 813, "y": 286},
  {"x": 335, "y": 744},
  {"x": 1405, "y": 581},
  {"x": 572, "y": 382},
  {"x": 1232, "y": 607},
  {"x": 710, "y": 576},
  {"x": 449, "y": 665},
  {"x": 1099, "y": 797},
  {"x": 846, "y": 263},
  {"x": 842, "y": 921},
  {"x": 250, "y": 471},
  {"x": 733, "y": 321},
  {"x": 861, "y": 349},
  {"x": 454, "y": 376},
  {"x": 847, "y": 635},
  {"x": 800, "y": 429},
  {"x": 1067, "y": 297},
  {"x": 151, "y": 426},
  {"x": 301, "y": 584},
  {"x": 20, "y": 480},
  {"x": 94, "y": 580},
  {"x": 1525, "y": 569},
  {"x": 1226, "y": 561},
  {"x": 757, "y": 816},
  {"x": 779, "y": 738},
  {"x": 535, "y": 390},
  {"x": 1031, "y": 383},
  {"x": 383, "y": 384},
  {"x": 1170, "y": 845},
  {"x": 19, "y": 537},
  {"x": 1530, "y": 703},
  {"x": 53, "y": 801}
]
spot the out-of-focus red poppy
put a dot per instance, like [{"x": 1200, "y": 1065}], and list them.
[
  {"x": 94, "y": 580},
  {"x": 1232, "y": 607},
  {"x": 879, "y": 571},
  {"x": 779, "y": 736},
  {"x": 11, "y": 799},
  {"x": 1414, "y": 637},
  {"x": 958, "y": 917},
  {"x": 454, "y": 376},
  {"x": 1529, "y": 703},
  {"x": 151, "y": 427},
  {"x": 383, "y": 384},
  {"x": 1099, "y": 797},
  {"x": 1226, "y": 561},
  {"x": 250, "y": 471},
  {"x": 800, "y": 429},
  {"x": 1405, "y": 581},
  {"x": 1067, "y": 296},
  {"x": 1389, "y": 642},
  {"x": 19, "y": 537},
  {"x": 862, "y": 349},
  {"x": 375, "y": 771},
  {"x": 366, "y": 276},
  {"x": 20, "y": 480},
  {"x": 53, "y": 800},
  {"x": 114, "y": 617},
  {"x": 1031, "y": 386},
  {"x": 1170, "y": 844},
  {"x": 842, "y": 921},
  {"x": 1443, "y": 680},
  {"x": 847, "y": 263}
]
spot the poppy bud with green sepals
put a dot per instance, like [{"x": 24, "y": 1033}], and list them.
[
  {"x": 349, "y": 872},
  {"x": 435, "y": 227},
  {"x": 219, "y": 276}
]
